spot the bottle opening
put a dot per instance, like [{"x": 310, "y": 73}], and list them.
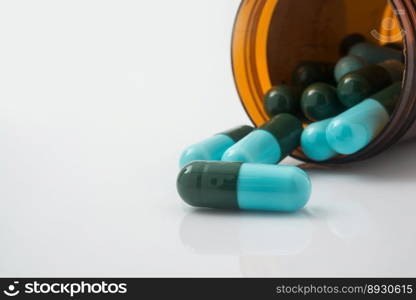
[{"x": 271, "y": 37}]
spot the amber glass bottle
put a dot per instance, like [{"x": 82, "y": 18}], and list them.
[{"x": 271, "y": 36}]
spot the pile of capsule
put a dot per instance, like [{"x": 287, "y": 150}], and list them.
[{"x": 346, "y": 104}]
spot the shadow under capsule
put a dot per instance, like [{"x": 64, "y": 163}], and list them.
[{"x": 245, "y": 233}]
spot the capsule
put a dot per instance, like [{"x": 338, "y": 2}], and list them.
[
  {"x": 314, "y": 143},
  {"x": 214, "y": 147},
  {"x": 395, "y": 46},
  {"x": 307, "y": 73},
  {"x": 354, "y": 129},
  {"x": 281, "y": 99},
  {"x": 375, "y": 54},
  {"x": 239, "y": 186},
  {"x": 349, "y": 41},
  {"x": 269, "y": 144},
  {"x": 320, "y": 101},
  {"x": 359, "y": 85},
  {"x": 347, "y": 65}
]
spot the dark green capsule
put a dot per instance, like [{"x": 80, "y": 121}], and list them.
[
  {"x": 359, "y": 85},
  {"x": 389, "y": 96},
  {"x": 320, "y": 101},
  {"x": 287, "y": 130},
  {"x": 213, "y": 185},
  {"x": 307, "y": 73},
  {"x": 238, "y": 133},
  {"x": 281, "y": 99},
  {"x": 348, "y": 64},
  {"x": 395, "y": 46},
  {"x": 349, "y": 41}
]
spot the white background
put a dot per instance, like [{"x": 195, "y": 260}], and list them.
[{"x": 98, "y": 98}]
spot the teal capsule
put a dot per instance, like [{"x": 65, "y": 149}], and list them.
[
  {"x": 375, "y": 54},
  {"x": 214, "y": 147},
  {"x": 354, "y": 129},
  {"x": 281, "y": 99},
  {"x": 347, "y": 65},
  {"x": 320, "y": 101},
  {"x": 269, "y": 144},
  {"x": 238, "y": 186},
  {"x": 359, "y": 85},
  {"x": 307, "y": 73},
  {"x": 314, "y": 143}
]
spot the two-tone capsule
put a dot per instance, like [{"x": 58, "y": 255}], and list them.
[
  {"x": 320, "y": 101},
  {"x": 307, "y": 73},
  {"x": 240, "y": 186},
  {"x": 374, "y": 54},
  {"x": 281, "y": 99},
  {"x": 214, "y": 147},
  {"x": 354, "y": 129},
  {"x": 358, "y": 85},
  {"x": 314, "y": 142},
  {"x": 269, "y": 144}
]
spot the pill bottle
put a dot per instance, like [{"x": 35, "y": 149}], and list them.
[{"x": 271, "y": 37}]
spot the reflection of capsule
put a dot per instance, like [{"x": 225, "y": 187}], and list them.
[
  {"x": 269, "y": 144},
  {"x": 260, "y": 266},
  {"x": 320, "y": 101},
  {"x": 347, "y": 65},
  {"x": 349, "y": 41},
  {"x": 244, "y": 186},
  {"x": 374, "y": 54},
  {"x": 314, "y": 143},
  {"x": 358, "y": 85},
  {"x": 349, "y": 219},
  {"x": 214, "y": 147},
  {"x": 307, "y": 73},
  {"x": 281, "y": 99},
  {"x": 209, "y": 233},
  {"x": 354, "y": 129}
]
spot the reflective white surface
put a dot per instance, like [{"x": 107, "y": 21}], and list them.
[{"x": 98, "y": 98}]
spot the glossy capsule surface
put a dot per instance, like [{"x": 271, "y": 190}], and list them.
[
  {"x": 374, "y": 54},
  {"x": 213, "y": 147},
  {"x": 354, "y": 129},
  {"x": 269, "y": 144},
  {"x": 347, "y": 65},
  {"x": 240, "y": 186},
  {"x": 314, "y": 143},
  {"x": 361, "y": 84},
  {"x": 320, "y": 101},
  {"x": 281, "y": 99}
]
